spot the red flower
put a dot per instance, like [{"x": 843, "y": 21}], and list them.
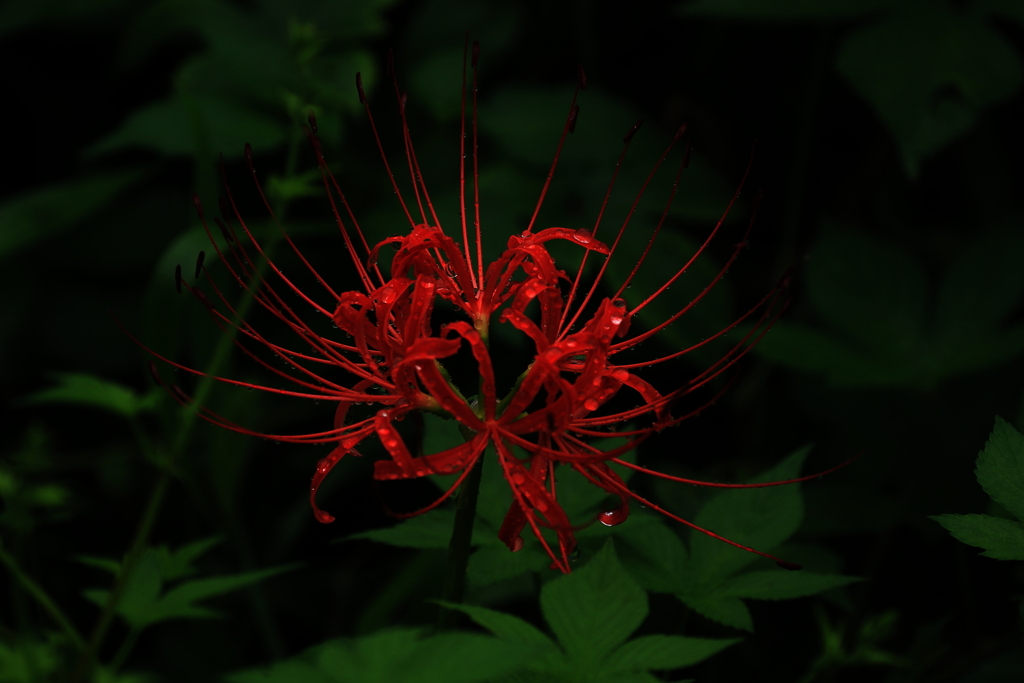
[{"x": 395, "y": 358}]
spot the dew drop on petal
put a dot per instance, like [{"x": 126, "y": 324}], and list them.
[
  {"x": 621, "y": 375},
  {"x": 518, "y": 477},
  {"x": 591, "y": 404},
  {"x": 582, "y": 236},
  {"x": 614, "y": 517}
]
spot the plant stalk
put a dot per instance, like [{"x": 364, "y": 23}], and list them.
[{"x": 460, "y": 544}]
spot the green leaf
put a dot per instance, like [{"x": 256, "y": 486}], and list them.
[
  {"x": 175, "y": 128},
  {"x": 177, "y": 564},
  {"x": 665, "y": 652},
  {"x": 89, "y": 390},
  {"x": 760, "y": 518},
  {"x": 47, "y": 212},
  {"x": 782, "y": 10},
  {"x": 982, "y": 287},
  {"x": 873, "y": 292},
  {"x": 18, "y": 15},
  {"x": 594, "y": 609},
  {"x": 657, "y": 559},
  {"x": 495, "y": 562},
  {"x": 729, "y": 611},
  {"x": 178, "y": 603},
  {"x": 505, "y": 626},
  {"x": 1001, "y": 468},
  {"x": 142, "y": 603},
  {"x": 1002, "y": 539},
  {"x": 929, "y": 72},
  {"x": 397, "y": 656},
  {"x": 775, "y": 584},
  {"x": 426, "y": 531}
]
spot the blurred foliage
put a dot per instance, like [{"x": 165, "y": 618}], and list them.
[{"x": 888, "y": 142}]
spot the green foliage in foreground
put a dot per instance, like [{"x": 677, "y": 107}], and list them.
[{"x": 1000, "y": 472}]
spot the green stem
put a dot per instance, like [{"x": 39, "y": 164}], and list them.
[
  {"x": 126, "y": 647},
  {"x": 138, "y": 546},
  {"x": 460, "y": 544},
  {"x": 44, "y": 600},
  {"x": 184, "y": 432}
]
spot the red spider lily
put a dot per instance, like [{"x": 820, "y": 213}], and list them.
[{"x": 394, "y": 359}]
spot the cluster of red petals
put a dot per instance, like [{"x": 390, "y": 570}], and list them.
[{"x": 393, "y": 356}]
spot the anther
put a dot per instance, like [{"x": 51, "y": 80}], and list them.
[
  {"x": 582, "y": 76},
  {"x": 177, "y": 278},
  {"x": 572, "y": 118},
  {"x": 632, "y": 131},
  {"x": 476, "y": 53},
  {"x": 199, "y": 205},
  {"x": 359, "y": 88},
  {"x": 312, "y": 120},
  {"x": 679, "y": 133},
  {"x": 199, "y": 262}
]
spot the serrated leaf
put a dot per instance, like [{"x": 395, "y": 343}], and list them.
[
  {"x": 594, "y": 609},
  {"x": 495, "y": 562},
  {"x": 779, "y": 584},
  {"x": 1000, "y": 468},
  {"x": 1002, "y": 539},
  {"x": 724, "y": 610},
  {"x": 432, "y": 530},
  {"x": 658, "y": 558},
  {"x": 177, "y": 564},
  {"x": 104, "y": 563},
  {"x": 760, "y": 518},
  {"x": 85, "y": 389},
  {"x": 665, "y": 652},
  {"x": 505, "y": 626},
  {"x": 46, "y": 212}
]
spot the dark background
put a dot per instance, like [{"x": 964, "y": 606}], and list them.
[{"x": 885, "y": 138}]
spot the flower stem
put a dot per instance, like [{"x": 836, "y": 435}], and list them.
[{"x": 460, "y": 544}]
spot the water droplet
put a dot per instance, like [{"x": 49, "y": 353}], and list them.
[
  {"x": 574, "y": 555},
  {"x": 518, "y": 544},
  {"x": 614, "y": 517},
  {"x": 619, "y": 303},
  {"x": 591, "y": 404},
  {"x": 620, "y": 374},
  {"x": 582, "y": 236},
  {"x": 518, "y": 477}
]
